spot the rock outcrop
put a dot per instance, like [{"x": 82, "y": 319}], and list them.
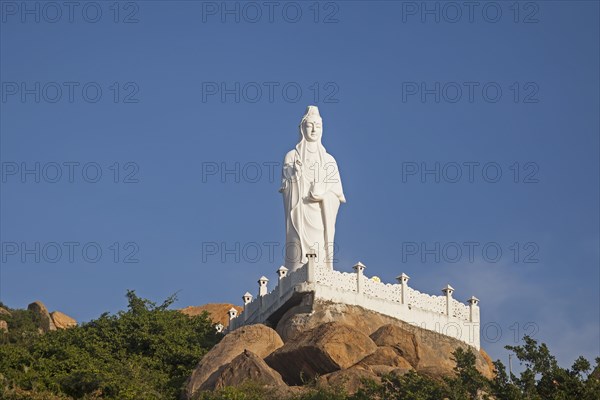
[
  {"x": 327, "y": 348},
  {"x": 62, "y": 321},
  {"x": 217, "y": 311},
  {"x": 39, "y": 309},
  {"x": 388, "y": 357},
  {"x": 336, "y": 344},
  {"x": 426, "y": 351},
  {"x": 490, "y": 370},
  {"x": 258, "y": 339},
  {"x": 3, "y": 326},
  {"x": 429, "y": 353},
  {"x": 47, "y": 321},
  {"x": 246, "y": 366},
  {"x": 303, "y": 317},
  {"x": 403, "y": 342}
]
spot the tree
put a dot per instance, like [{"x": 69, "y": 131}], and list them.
[
  {"x": 468, "y": 383},
  {"x": 544, "y": 379},
  {"x": 146, "y": 352}
]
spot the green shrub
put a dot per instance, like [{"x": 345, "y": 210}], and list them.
[{"x": 146, "y": 352}]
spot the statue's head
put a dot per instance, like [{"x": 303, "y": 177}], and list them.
[{"x": 311, "y": 125}]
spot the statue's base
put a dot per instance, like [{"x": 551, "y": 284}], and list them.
[{"x": 312, "y": 283}]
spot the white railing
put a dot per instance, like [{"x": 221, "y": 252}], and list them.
[
  {"x": 261, "y": 307},
  {"x": 425, "y": 301},
  {"x": 339, "y": 280},
  {"x": 386, "y": 298}
]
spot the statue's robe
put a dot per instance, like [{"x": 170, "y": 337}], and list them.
[{"x": 310, "y": 225}]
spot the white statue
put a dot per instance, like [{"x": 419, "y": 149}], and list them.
[{"x": 312, "y": 193}]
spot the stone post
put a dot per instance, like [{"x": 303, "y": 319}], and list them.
[
  {"x": 232, "y": 315},
  {"x": 448, "y": 290},
  {"x": 403, "y": 280},
  {"x": 282, "y": 273},
  {"x": 359, "y": 268},
  {"x": 262, "y": 292},
  {"x": 262, "y": 286},
  {"x": 473, "y": 309},
  {"x": 312, "y": 264},
  {"x": 247, "y": 297}
]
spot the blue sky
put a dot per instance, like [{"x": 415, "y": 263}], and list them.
[{"x": 157, "y": 100}]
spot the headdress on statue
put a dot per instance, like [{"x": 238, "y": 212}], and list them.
[{"x": 311, "y": 111}]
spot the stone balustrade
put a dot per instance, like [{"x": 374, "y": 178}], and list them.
[{"x": 443, "y": 314}]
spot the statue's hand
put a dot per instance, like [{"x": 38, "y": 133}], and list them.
[{"x": 314, "y": 197}]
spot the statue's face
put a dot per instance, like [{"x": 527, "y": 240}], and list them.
[{"x": 312, "y": 129}]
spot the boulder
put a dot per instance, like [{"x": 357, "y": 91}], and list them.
[
  {"x": 245, "y": 367},
  {"x": 386, "y": 356},
  {"x": 430, "y": 353},
  {"x": 62, "y": 321},
  {"x": 304, "y": 317},
  {"x": 217, "y": 311},
  {"x": 327, "y": 348},
  {"x": 401, "y": 340},
  {"x": 423, "y": 349},
  {"x": 435, "y": 355},
  {"x": 4, "y": 311},
  {"x": 351, "y": 379},
  {"x": 39, "y": 309},
  {"x": 259, "y": 339},
  {"x": 3, "y": 326}
]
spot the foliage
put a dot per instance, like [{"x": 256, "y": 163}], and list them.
[
  {"x": 23, "y": 326},
  {"x": 408, "y": 386},
  {"x": 247, "y": 391},
  {"x": 146, "y": 352},
  {"x": 469, "y": 383},
  {"x": 253, "y": 391},
  {"x": 544, "y": 379}
]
